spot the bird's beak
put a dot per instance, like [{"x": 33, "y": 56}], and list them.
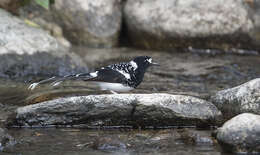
[{"x": 155, "y": 64}]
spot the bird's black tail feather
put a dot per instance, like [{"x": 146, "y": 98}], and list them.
[{"x": 57, "y": 80}]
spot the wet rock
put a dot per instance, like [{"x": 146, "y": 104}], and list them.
[
  {"x": 241, "y": 134},
  {"x": 200, "y": 24},
  {"x": 240, "y": 99},
  {"x": 26, "y": 50},
  {"x": 92, "y": 23},
  {"x": 174, "y": 110},
  {"x": 120, "y": 109},
  {"x": 5, "y": 140}
]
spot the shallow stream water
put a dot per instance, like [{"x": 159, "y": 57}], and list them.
[
  {"x": 99, "y": 142},
  {"x": 190, "y": 73}
]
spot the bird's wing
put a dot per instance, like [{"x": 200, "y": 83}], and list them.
[{"x": 107, "y": 75}]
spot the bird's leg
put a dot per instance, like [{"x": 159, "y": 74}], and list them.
[{"x": 113, "y": 92}]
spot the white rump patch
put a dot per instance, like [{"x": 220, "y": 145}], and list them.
[
  {"x": 125, "y": 74},
  {"x": 117, "y": 87},
  {"x": 134, "y": 65},
  {"x": 94, "y": 74}
]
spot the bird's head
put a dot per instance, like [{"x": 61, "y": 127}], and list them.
[{"x": 144, "y": 62}]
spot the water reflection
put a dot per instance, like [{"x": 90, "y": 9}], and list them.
[{"x": 99, "y": 142}]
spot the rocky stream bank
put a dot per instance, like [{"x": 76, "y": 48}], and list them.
[{"x": 203, "y": 99}]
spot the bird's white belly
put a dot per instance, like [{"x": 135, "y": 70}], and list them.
[{"x": 117, "y": 87}]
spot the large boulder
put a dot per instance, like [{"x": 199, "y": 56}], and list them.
[
  {"x": 26, "y": 50},
  {"x": 165, "y": 24},
  {"x": 240, "y": 99},
  {"x": 87, "y": 22},
  {"x": 241, "y": 134},
  {"x": 120, "y": 109}
]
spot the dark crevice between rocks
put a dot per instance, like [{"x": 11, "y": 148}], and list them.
[
  {"x": 228, "y": 110},
  {"x": 131, "y": 117},
  {"x": 123, "y": 37}
]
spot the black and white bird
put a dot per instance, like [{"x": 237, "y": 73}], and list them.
[{"x": 121, "y": 77}]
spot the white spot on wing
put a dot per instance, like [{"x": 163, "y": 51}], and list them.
[
  {"x": 94, "y": 74},
  {"x": 134, "y": 65},
  {"x": 150, "y": 60},
  {"x": 125, "y": 74}
]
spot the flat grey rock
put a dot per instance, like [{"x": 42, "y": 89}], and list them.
[{"x": 119, "y": 109}]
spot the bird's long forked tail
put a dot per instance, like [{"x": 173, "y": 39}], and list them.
[{"x": 55, "y": 81}]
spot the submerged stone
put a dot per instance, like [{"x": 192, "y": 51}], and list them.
[
  {"x": 138, "y": 110},
  {"x": 5, "y": 140},
  {"x": 109, "y": 143},
  {"x": 195, "y": 137}
]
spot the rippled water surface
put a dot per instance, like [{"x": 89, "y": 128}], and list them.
[{"x": 99, "y": 142}]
